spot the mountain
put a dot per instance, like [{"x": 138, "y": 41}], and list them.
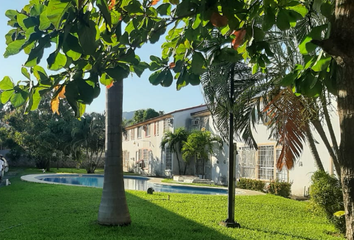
[{"x": 128, "y": 115}]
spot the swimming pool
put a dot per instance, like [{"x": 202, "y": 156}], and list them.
[{"x": 130, "y": 183}]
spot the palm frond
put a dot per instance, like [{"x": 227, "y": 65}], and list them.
[{"x": 285, "y": 114}]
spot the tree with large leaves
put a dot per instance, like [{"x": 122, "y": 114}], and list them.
[{"x": 88, "y": 48}]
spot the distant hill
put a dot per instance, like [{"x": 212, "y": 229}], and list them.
[{"x": 128, "y": 115}]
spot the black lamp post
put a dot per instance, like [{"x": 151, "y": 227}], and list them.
[{"x": 230, "y": 221}]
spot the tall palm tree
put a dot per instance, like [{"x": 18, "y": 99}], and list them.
[
  {"x": 175, "y": 140},
  {"x": 113, "y": 209}
]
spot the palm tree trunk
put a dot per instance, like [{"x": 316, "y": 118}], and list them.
[
  {"x": 313, "y": 149},
  {"x": 179, "y": 164},
  {"x": 113, "y": 209},
  {"x": 330, "y": 126},
  {"x": 317, "y": 124}
]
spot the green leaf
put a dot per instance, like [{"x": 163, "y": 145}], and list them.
[
  {"x": 36, "y": 9},
  {"x": 198, "y": 63},
  {"x": 25, "y": 73},
  {"x": 181, "y": 81},
  {"x": 86, "y": 91},
  {"x": 56, "y": 10},
  {"x": 139, "y": 69},
  {"x": 14, "y": 47},
  {"x": 134, "y": 6},
  {"x": 197, "y": 21},
  {"x": 102, "y": 5},
  {"x": 44, "y": 22},
  {"x": 105, "y": 79},
  {"x": 283, "y": 20},
  {"x": 72, "y": 48},
  {"x": 156, "y": 78},
  {"x": 37, "y": 52},
  {"x": 269, "y": 19},
  {"x": 11, "y": 14},
  {"x": 164, "y": 9},
  {"x": 80, "y": 110},
  {"x": 39, "y": 73},
  {"x": 130, "y": 27},
  {"x": 288, "y": 80},
  {"x": 18, "y": 98},
  {"x": 300, "y": 8},
  {"x": 255, "y": 68},
  {"x": 6, "y": 84},
  {"x": 321, "y": 64},
  {"x": 327, "y": 10},
  {"x": 306, "y": 46},
  {"x": 168, "y": 78},
  {"x": 258, "y": 34},
  {"x": 194, "y": 79},
  {"x": 124, "y": 39},
  {"x": 56, "y": 61},
  {"x": 35, "y": 100},
  {"x": 6, "y": 95},
  {"x": 87, "y": 37},
  {"x": 155, "y": 59},
  {"x": 308, "y": 84},
  {"x": 117, "y": 73}
]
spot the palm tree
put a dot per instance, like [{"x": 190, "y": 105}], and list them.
[
  {"x": 199, "y": 145},
  {"x": 113, "y": 209},
  {"x": 175, "y": 140}
]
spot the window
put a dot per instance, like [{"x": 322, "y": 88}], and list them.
[
  {"x": 147, "y": 130},
  {"x": 132, "y": 134},
  {"x": 140, "y": 129},
  {"x": 247, "y": 162},
  {"x": 127, "y": 135},
  {"x": 166, "y": 125},
  {"x": 146, "y": 155},
  {"x": 126, "y": 160},
  {"x": 282, "y": 175},
  {"x": 266, "y": 162},
  {"x": 168, "y": 159},
  {"x": 157, "y": 128}
]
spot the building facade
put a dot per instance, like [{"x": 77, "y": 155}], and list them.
[{"x": 142, "y": 152}]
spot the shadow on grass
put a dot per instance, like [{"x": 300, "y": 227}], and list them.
[
  {"x": 151, "y": 221},
  {"x": 40, "y": 211}
]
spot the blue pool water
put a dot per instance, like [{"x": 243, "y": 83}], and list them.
[{"x": 130, "y": 182}]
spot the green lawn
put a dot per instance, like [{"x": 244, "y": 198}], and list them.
[{"x": 44, "y": 211}]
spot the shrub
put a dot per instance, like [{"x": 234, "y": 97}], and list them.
[
  {"x": 279, "y": 188},
  {"x": 326, "y": 196},
  {"x": 251, "y": 184}
]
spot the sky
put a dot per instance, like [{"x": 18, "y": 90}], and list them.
[{"x": 138, "y": 92}]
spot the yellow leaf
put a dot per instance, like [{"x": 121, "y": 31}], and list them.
[
  {"x": 55, "y": 105},
  {"x": 154, "y": 2},
  {"x": 239, "y": 37},
  {"x": 109, "y": 85},
  {"x": 62, "y": 93}
]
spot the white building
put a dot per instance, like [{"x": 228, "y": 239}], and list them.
[{"x": 142, "y": 152}]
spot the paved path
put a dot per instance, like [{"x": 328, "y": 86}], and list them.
[{"x": 238, "y": 190}]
